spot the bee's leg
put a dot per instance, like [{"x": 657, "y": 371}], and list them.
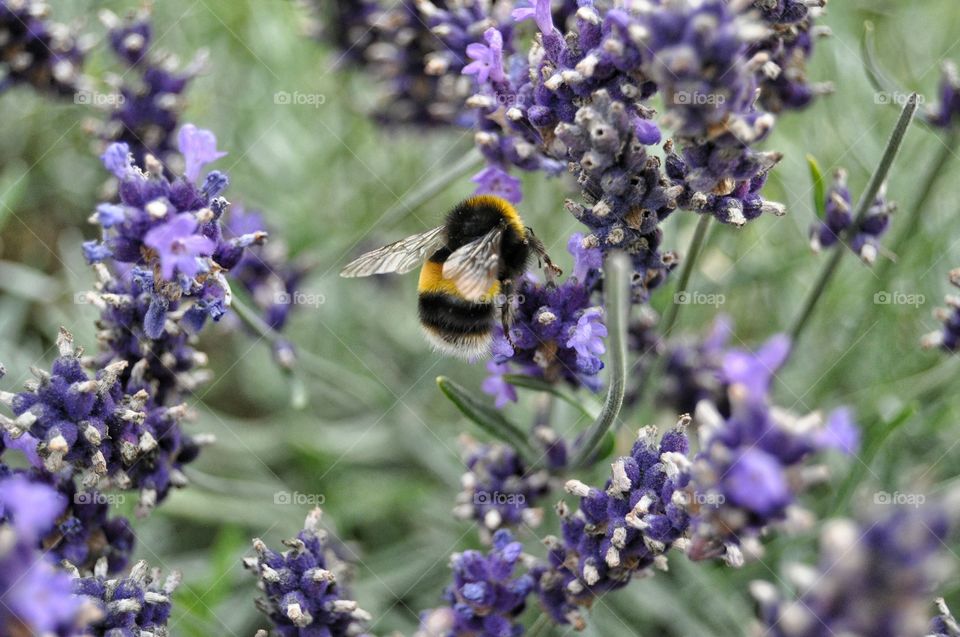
[
  {"x": 505, "y": 306},
  {"x": 552, "y": 271}
]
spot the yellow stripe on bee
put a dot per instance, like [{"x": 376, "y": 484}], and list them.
[
  {"x": 432, "y": 282},
  {"x": 503, "y": 207}
]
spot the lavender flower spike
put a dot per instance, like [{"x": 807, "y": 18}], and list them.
[
  {"x": 874, "y": 578},
  {"x": 485, "y": 597},
  {"x": 947, "y": 338},
  {"x": 303, "y": 587}
]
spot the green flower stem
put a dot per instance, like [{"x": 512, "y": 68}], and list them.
[
  {"x": 617, "y": 274},
  {"x": 686, "y": 272},
  {"x": 915, "y": 212},
  {"x": 863, "y": 207},
  {"x": 655, "y": 371}
]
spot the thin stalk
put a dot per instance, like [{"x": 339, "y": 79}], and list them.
[
  {"x": 673, "y": 311},
  {"x": 617, "y": 273},
  {"x": 934, "y": 172},
  {"x": 686, "y": 272},
  {"x": 863, "y": 207}
]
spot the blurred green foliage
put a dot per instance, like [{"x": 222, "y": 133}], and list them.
[{"x": 377, "y": 440}]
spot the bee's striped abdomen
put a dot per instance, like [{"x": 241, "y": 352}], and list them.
[{"x": 452, "y": 323}]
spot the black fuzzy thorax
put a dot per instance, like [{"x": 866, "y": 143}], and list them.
[{"x": 471, "y": 220}]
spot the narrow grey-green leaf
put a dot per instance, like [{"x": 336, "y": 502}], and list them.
[{"x": 487, "y": 418}]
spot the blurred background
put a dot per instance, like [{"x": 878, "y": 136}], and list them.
[{"x": 362, "y": 428}]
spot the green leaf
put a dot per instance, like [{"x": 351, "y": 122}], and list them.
[
  {"x": 878, "y": 435},
  {"x": 819, "y": 187},
  {"x": 487, "y": 418},
  {"x": 538, "y": 384}
]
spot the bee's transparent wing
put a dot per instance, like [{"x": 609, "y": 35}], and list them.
[
  {"x": 400, "y": 256},
  {"x": 474, "y": 266}
]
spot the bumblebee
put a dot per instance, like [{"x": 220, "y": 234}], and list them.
[{"x": 470, "y": 267}]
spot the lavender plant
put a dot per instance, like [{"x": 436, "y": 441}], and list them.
[{"x": 656, "y": 109}]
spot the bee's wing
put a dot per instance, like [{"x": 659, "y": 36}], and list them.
[
  {"x": 400, "y": 256},
  {"x": 474, "y": 266}
]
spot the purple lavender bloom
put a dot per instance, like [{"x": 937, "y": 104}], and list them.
[
  {"x": 621, "y": 531},
  {"x": 36, "y": 598},
  {"x": 752, "y": 466},
  {"x": 487, "y": 59},
  {"x": 148, "y": 112},
  {"x": 693, "y": 370},
  {"x": 547, "y": 338},
  {"x": 266, "y": 271},
  {"x": 627, "y": 195},
  {"x": 199, "y": 148},
  {"x": 587, "y": 258},
  {"x": 31, "y": 507},
  {"x": 163, "y": 226},
  {"x": 756, "y": 483},
  {"x": 874, "y": 577},
  {"x": 485, "y": 596},
  {"x": 947, "y": 338},
  {"x": 838, "y": 218},
  {"x": 494, "y": 180},
  {"x": 136, "y": 604},
  {"x": 751, "y": 373},
  {"x": 739, "y": 199},
  {"x": 303, "y": 591},
  {"x": 586, "y": 338},
  {"x": 38, "y": 52},
  {"x": 494, "y": 385},
  {"x": 781, "y": 56},
  {"x": 118, "y": 159},
  {"x": 109, "y": 432},
  {"x": 178, "y": 247},
  {"x": 944, "y": 624},
  {"x": 947, "y": 110},
  {"x": 499, "y": 490}
]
